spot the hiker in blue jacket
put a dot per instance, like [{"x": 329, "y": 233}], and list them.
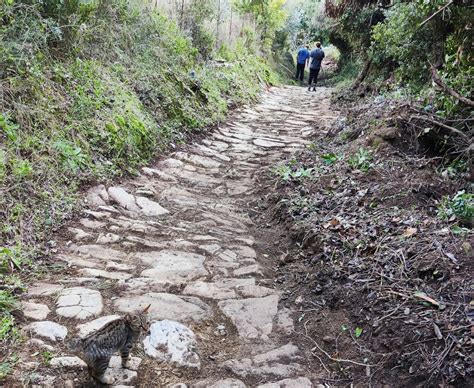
[
  {"x": 316, "y": 56},
  {"x": 301, "y": 61}
]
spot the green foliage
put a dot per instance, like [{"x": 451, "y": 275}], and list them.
[
  {"x": 401, "y": 40},
  {"x": 358, "y": 332},
  {"x": 94, "y": 89},
  {"x": 270, "y": 16},
  {"x": 7, "y": 364},
  {"x": 361, "y": 160},
  {"x": 329, "y": 159},
  {"x": 291, "y": 172},
  {"x": 460, "y": 206}
]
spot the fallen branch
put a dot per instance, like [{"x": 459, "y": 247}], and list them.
[
  {"x": 438, "y": 81},
  {"x": 442, "y": 125}
]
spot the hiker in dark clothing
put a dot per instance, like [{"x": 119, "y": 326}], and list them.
[
  {"x": 316, "y": 56},
  {"x": 301, "y": 60}
]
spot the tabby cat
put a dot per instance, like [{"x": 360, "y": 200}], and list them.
[{"x": 119, "y": 335}]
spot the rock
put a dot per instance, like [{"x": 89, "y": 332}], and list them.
[
  {"x": 44, "y": 289},
  {"x": 91, "y": 224},
  {"x": 253, "y": 269},
  {"x": 143, "y": 285},
  {"x": 99, "y": 252},
  {"x": 252, "y": 317},
  {"x": 35, "y": 311},
  {"x": 79, "y": 303},
  {"x": 99, "y": 273},
  {"x": 79, "y": 234},
  {"x": 40, "y": 344},
  {"x": 228, "y": 255},
  {"x": 150, "y": 208},
  {"x": 173, "y": 266},
  {"x": 278, "y": 362},
  {"x": 97, "y": 196},
  {"x": 254, "y": 291},
  {"x": 226, "y": 383},
  {"x": 267, "y": 143},
  {"x": 284, "y": 321},
  {"x": 246, "y": 252},
  {"x": 113, "y": 266},
  {"x": 77, "y": 261},
  {"x": 209, "y": 290},
  {"x": 47, "y": 329},
  {"x": 173, "y": 342},
  {"x": 108, "y": 238},
  {"x": 300, "y": 382},
  {"x": 89, "y": 327},
  {"x": 166, "y": 306},
  {"x": 210, "y": 248},
  {"x": 67, "y": 362},
  {"x": 123, "y": 199},
  {"x": 171, "y": 163}
]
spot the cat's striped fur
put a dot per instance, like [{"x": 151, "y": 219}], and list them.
[{"x": 116, "y": 336}]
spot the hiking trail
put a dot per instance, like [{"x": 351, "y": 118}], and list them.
[{"x": 179, "y": 237}]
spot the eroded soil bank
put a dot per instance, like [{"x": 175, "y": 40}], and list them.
[{"x": 378, "y": 261}]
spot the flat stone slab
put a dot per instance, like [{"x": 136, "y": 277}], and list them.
[
  {"x": 253, "y": 269},
  {"x": 79, "y": 303},
  {"x": 99, "y": 273},
  {"x": 98, "y": 251},
  {"x": 71, "y": 362},
  {"x": 143, "y": 285},
  {"x": 86, "y": 328},
  {"x": 166, "y": 306},
  {"x": 300, "y": 382},
  {"x": 225, "y": 383},
  {"x": 97, "y": 196},
  {"x": 173, "y": 342},
  {"x": 209, "y": 290},
  {"x": 267, "y": 143},
  {"x": 150, "y": 208},
  {"x": 36, "y": 311},
  {"x": 173, "y": 266},
  {"x": 47, "y": 329},
  {"x": 278, "y": 362},
  {"x": 252, "y": 317},
  {"x": 44, "y": 289},
  {"x": 123, "y": 199}
]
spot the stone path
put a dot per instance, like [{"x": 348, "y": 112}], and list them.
[{"x": 178, "y": 237}]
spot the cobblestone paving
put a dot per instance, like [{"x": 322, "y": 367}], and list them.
[{"x": 179, "y": 237}]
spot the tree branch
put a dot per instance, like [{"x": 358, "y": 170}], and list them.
[
  {"x": 437, "y": 12},
  {"x": 438, "y": 81}
]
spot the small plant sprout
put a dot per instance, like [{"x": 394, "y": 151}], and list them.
[
  {"x": 358, "y": 332},
  {"x": 361, "y": 160}
]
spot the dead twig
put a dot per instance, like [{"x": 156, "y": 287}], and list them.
[{"x": 328, "y": 355}]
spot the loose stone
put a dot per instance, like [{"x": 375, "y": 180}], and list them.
[
  {"x": 173, "y": 342},
  {"x": 47, "y": 329}
]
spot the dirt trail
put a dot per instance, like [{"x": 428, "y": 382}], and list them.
[{"x": 179, "y": 237}]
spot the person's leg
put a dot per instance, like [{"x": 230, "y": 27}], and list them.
[
  {"x": 302, "y": 72},
  {"x": 297, "y": 71},
  {"x": 311, "y": 76},
  {"x": 316, "y": 73}
]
